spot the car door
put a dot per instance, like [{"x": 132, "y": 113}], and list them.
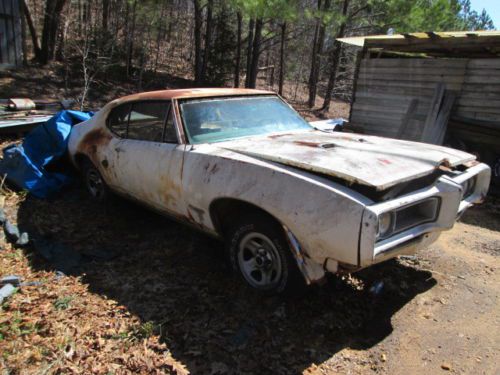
[{"x": 145, "y": 158}]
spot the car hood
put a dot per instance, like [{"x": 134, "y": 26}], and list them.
[{"x": 368, "y": 160}]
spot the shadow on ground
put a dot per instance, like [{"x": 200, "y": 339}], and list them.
[
  {"x": 485, "y": 216},
  {"x": 177, "y": 279}
]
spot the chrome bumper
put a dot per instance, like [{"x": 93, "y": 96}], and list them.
[{"x": 447, "y": 189}]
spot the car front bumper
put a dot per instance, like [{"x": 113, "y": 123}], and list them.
[{"x": 448, "y": 190}]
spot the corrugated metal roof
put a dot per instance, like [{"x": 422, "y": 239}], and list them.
[
  {"x": 477, "y": 43},
  {"x": 396, "y": 38}
]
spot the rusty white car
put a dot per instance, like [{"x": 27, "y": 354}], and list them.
[{"x": 292, "y": 202}]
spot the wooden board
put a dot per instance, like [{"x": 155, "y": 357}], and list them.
[{"x": 403, "y": 62}]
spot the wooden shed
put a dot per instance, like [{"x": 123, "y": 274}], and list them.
[
  {"x": 11, "y": 50},
  {"x": 431, "y": 87}
]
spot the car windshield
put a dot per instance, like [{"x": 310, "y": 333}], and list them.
[{"x": 221, "y": 119}]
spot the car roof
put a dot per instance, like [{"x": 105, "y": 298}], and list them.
[{"x": 192, "y": 93}]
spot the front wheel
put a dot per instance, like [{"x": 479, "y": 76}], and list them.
[{"x": 260, "y": 253}]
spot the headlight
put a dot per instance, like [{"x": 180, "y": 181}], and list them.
[{"x": 385, "y": 224}]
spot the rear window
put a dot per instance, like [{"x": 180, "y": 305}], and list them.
[
  {"x": 118, "y": 120},
  {"x": 147, "y": 120}
]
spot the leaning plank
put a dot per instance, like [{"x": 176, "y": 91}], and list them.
[
  {"x": 443, "y": 118},
  {"x": 410, "y": 111},
  {"x": 435, "y": 134},
  {"x": 433, "y": 113}
]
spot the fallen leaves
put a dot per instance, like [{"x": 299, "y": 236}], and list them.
[
  {"x": 169, "y": 304},
  {"x": 61, "y": 327}
]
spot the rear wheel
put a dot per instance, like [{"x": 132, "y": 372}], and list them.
[
  {"x": 94, "y": 182},
  {"x": 260, "y": 253}
]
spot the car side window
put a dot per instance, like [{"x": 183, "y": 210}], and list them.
[
  {"x": 147, "y": 120},
  {"x": 118, "y": 120},
  {"x": 170, "y": 133}
]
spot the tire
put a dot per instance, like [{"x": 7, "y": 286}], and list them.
[
  {"x": 259, "y": 252},
  {"x": 94, "y": 183}
]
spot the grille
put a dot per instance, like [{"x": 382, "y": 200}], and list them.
[{"x": 420, "y": 213}]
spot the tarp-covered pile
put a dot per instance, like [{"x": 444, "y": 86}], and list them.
[{"x": 25, "y": 165}]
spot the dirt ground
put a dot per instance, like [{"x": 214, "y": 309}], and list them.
[{"x": 149, "y": 295}]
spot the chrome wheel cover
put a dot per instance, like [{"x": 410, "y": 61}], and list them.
[{"x": 259, "y": 261}]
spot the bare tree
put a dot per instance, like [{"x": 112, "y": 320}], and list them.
[
  {"x": 319, "y": 37},
  {"x": 208, "y": 39},
  {"x": 31, "y": 26},
  {"x": 282, "y": 58},
  {"x": 334, "y": 58},
  {"x": 51, "y": 23},
  {"x": 254, "y": 63},
  {"x": 198, "y": 21},
  {"x": 238, "y": 51}
]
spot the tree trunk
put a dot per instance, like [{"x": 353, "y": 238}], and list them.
[
  {"x": 238, "y": 52},
  {"x": 208, "y": 39},
  {"x": 61, "y": 38},
  {"x": 130, "y": 47},
  {"x": 80, "y": 16},
  {"x": 254, "y": 66},
  {"x": 282, "y": 58},
  {"x": 159, "y": 36},
  {"x": 251, "y": 26},
  {"x": 31, "y": 26},
  {"x": 197, "y": 41},
  {"x": 51, "y": 22},
  {"x": 105, "y": 14},
  {"x": 334, "y": 59},
  {"x": 23, "y": 36},
  {"x": 317, "y": 50},
  {"x": 313, "y": 59}
]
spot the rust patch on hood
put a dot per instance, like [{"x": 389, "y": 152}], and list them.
[
  {"x": 384, "y": 161},
  {"x": 444, "y": 165},
  {"x": 307, "y": 144},
  {"x": 274, "y": 136}
]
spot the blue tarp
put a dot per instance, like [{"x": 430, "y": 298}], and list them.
[{"x": 25, "y": 165}]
